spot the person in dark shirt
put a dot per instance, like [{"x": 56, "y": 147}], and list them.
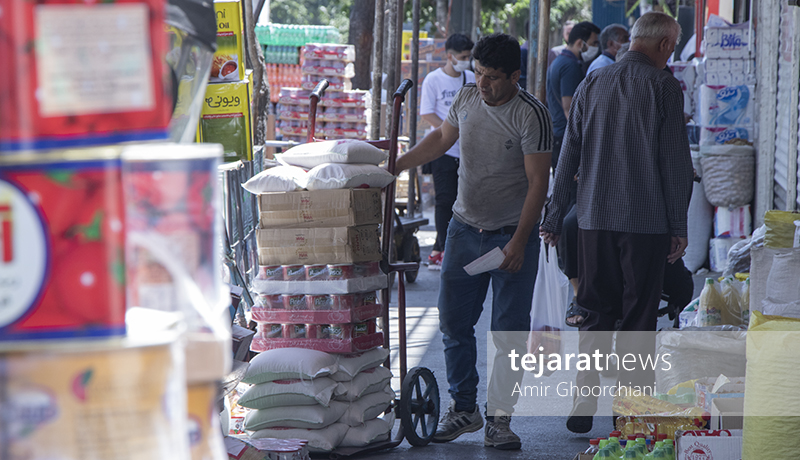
[{"x": 564, "y": 76}]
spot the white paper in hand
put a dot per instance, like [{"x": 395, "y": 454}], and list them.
[{"x": 487, "y": 262}]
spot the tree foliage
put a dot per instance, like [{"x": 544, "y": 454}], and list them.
[
  {"x": 313, "y": 12},
  {"x": 510, "y": 18}
]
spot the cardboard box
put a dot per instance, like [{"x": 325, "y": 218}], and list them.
[
  {"x": 727, "y": 414},
  {"x": 321, "y": 208},
  {"x": 328, "y": 245},
  {"x": 707, "y": 390},
  {"x": 708, "y": 445},
  {"x": 225, "y": 119},
  {"x": 229, "y": 60},
  {"x": 583, "y": 456}
]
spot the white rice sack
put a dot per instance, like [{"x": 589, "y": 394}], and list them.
[
  {"x": 368, "y": 407},
  {"x": 314, "y": 154},
  {"x": 311, "y": 417},
  {"x": 351, "y": 365},
  {"x": 331, "y": 176},
  {"x": 277, "y": 179},
  {"x": 324, "y": 440},
  {"x": 288, "y": 364},
  {"x": 373, "y": 430},
  {"x": 366, "y": 382},
  {"x": 291, "y": 393},
  {"x": 782, "y": 285}
]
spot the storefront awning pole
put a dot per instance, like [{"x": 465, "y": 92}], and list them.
[
  {"x": 544, "y": 42},
  {"x": 413, "y": 103},
  {"x": 377, "y": 70},
  {"x": 533, "y": 45}
]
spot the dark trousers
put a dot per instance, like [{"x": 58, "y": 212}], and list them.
[
  {"x": 621, "y": 276},
  {"x": 445, "y": 183},
  {"x": 567, "y": 245}
]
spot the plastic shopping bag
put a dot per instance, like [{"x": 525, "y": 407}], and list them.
[{"x": 551, "y": 294}]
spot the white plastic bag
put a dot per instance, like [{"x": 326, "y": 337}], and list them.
[{"x": 550, "y": 298}]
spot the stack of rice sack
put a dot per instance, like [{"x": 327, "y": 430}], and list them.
[
  {"x": 324, "y": 165},
  {"x": 330, "y": 400}
]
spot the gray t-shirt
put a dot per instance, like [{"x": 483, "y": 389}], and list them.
[{"x": 492, "y": 183}]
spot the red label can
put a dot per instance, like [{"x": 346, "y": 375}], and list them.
[
  {"x": 271, "y": 273},
  {"x": 295, "y": 302},
  {"x": 316, "y": 272},
  {"x": 294, "y": 273},
  {"x": 62, "y": 246},
  {"x": 340, "y": 272}
]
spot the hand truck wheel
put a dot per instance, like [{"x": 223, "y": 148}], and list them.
[{"x": 419, "y": 406}]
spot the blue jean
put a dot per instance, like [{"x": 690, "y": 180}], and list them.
[{"x": 461, "y": 298}]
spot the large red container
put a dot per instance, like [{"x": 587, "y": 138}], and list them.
[
  {"x": 82, "y": 72},
  {"x": 62, "y": 231}
]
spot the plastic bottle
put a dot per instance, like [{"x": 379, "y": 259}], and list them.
[
  {"x": 641, "y": 446},
  {"x": 601, "y": 447},
  {"x": 669, "y": 448},
  {"x": 603, "y": 453},
  {"x": 632, "y": 454},
  {"x": 593, "y": 446},
  {"x": 614, "y": 447},
  {"x": 649, "y": 444},
  {"x": 659, "y": 454}
]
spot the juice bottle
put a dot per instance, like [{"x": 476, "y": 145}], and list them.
[
  {"x": 593, "y": 446},
  {"x": 632, "y": 454},
  {"x": 613, "y": 445}
]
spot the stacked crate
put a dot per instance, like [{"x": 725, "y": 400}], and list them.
[
  {"x": 342, "y": 113},
  {"x": 319, "y": 253}
]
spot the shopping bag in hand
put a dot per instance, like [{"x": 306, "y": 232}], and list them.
[{"x": 550, "y": 299}]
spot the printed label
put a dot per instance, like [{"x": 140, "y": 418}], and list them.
[
  {"x": 93, "y": 59},
  {"x": 23, "y": 254}
]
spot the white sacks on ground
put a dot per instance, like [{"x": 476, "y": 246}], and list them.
[
  {"x": 291, "y": 393},
  {"x": 323, "y": 440},
  {"x": 771, "y": 399},
  {"x": 331, "y": 176},
  {"x": 728, "y": 174},
  {"x": 314, "y": 154},
  {"x": 700, "y": 352},
  {"x": 366, "y": 382},
  {"x": 311, "y": 417},
  {"x": 277, "y": 179},
  {"x": 700, "y": 217},
  {"x": 350, "y": 365},
  {"x": 368, "y": 407},
  {"x": 288, "y": 364},
  {"x": 378, "y": 429}
]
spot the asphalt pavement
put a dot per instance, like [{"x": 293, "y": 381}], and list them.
[{"x": 543, "y": 438}]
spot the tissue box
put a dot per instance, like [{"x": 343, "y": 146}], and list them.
[
  {"x": 718, "y": 135},
  {"x": 728, "y": 43},
  {"x": 732, "y": 222},
  {"x": 726, "y": 105},
  {"x": 727, "y": 414}
]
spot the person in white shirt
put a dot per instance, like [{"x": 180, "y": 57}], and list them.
[
  {"x": 611, "y": 40},
  {"x": 438, "y": 90}
]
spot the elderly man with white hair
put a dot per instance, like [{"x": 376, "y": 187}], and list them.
[{"x": 626, "y": 135}]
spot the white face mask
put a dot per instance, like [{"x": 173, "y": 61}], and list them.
[
  {"x": 461, "y": 66},
  {"x": 590, "y": 53}
]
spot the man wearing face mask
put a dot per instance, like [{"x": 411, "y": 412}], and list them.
[
  {"x": 611, "y": 40},
  {"x": 438, "y": 90},
  {"x": 564, "y": 76}
]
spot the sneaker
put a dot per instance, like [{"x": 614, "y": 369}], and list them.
[
  {"x": 499, "y": 434},
  {"x": 435, "y": 262},
  {"x": 455, "y": 423}
]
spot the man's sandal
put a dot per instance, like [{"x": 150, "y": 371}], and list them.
[{"x": 575, "y": 310}]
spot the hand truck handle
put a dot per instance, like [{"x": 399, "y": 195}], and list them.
[
  {"x": 403, "y": 88},
  {"x": 319, "y": 90}
]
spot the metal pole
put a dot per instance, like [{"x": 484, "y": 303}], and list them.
[
  {"x": 476, "y": 20},
  {"x": 377, "y": 70},
  {"x": 390, "y": 62},
  {"x": 412, "y": 106},
  {"x": 544, "y": 42},
  {"x": 533, "y": 44}
]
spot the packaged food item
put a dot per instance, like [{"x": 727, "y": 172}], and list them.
[
  {"x": 364, "y": 269},
  {"x": 271, "y": 331},
  {"x": 368, "y": 298},
  {"x": 295, "y": 331},
  {"x": 295, "y": 96},
  {"x": 294, "y": 273},
  {"x": 317, "y": 272},
  {"x": 345, "y": 301},
  {"x": 364, "y": 328},
  {"x": 270, "y": 301},
  {"x": 271, "y": 273},
  {"x": 67, "y": 63},
  {"x": 310, "y": 81},
  {"x": 323, "y": 331},
  {"x": 228, "y": 63},
  {"x": 319, "y": 302},
  {"x": 341, "y": 271},
  {"x": 294, "y": 302},
  {"x": 225, "y": 119},
  {"x": 62, "y": 233},
  {"x": 339, "y": 331},
  {"x": 329, "y": 51}
]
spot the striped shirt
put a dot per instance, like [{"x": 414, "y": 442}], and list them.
[
  {"x": 492, "y": 182},
  {"x": 627, "y": 134}
]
